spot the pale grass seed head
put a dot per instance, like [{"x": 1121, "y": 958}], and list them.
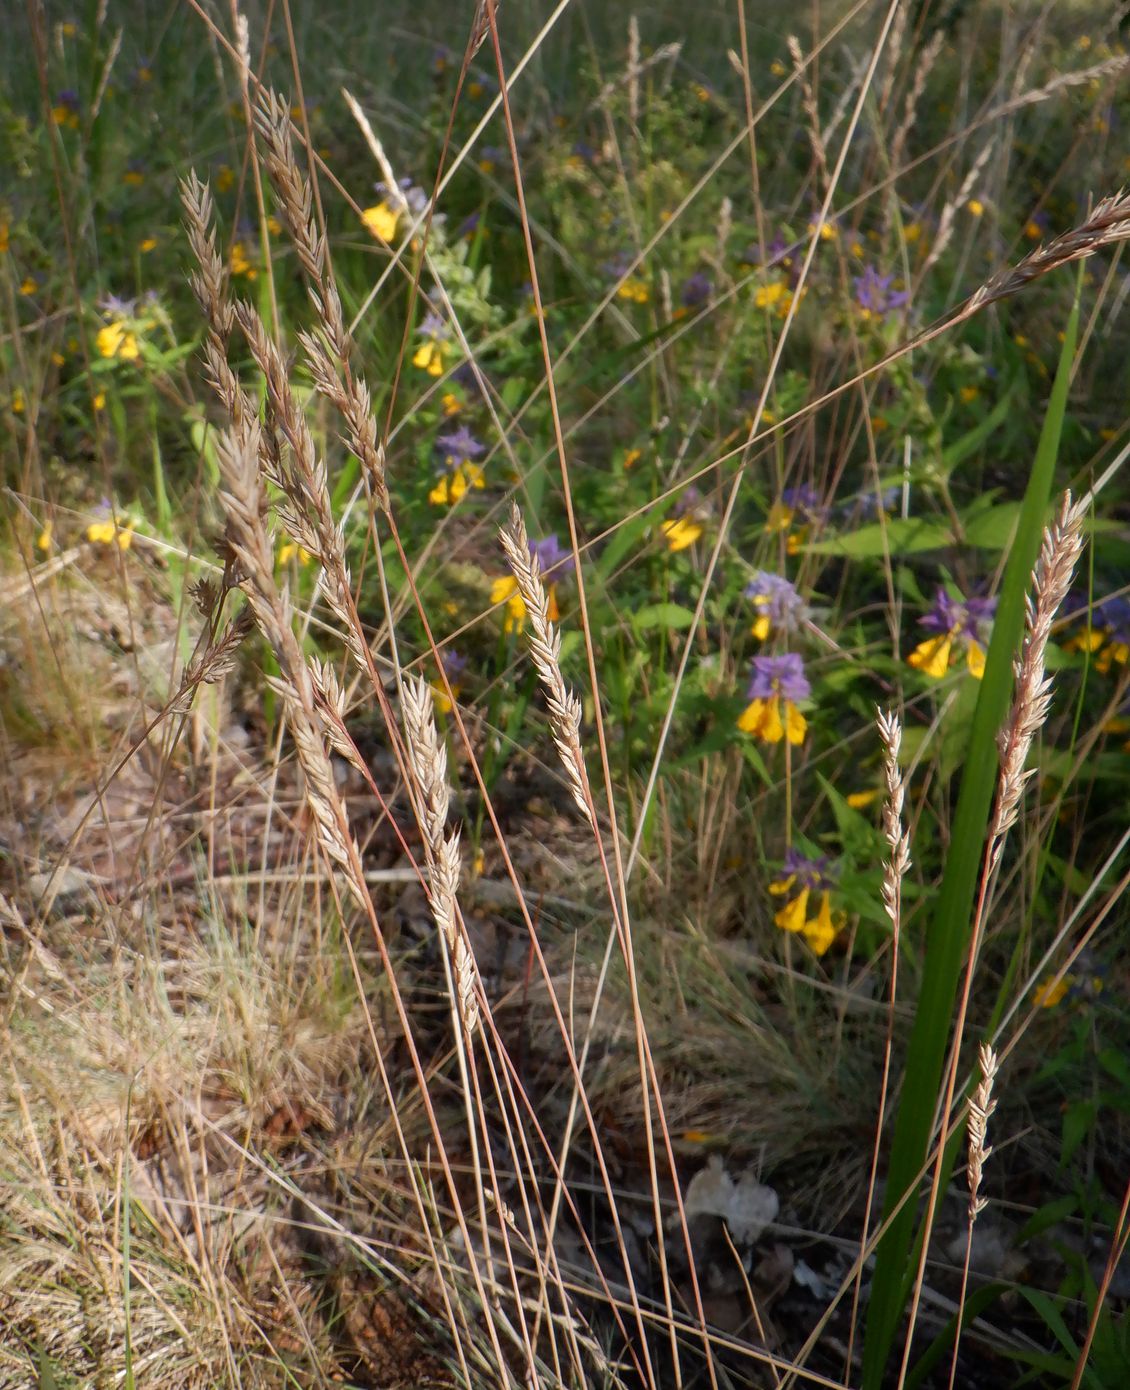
[
  {"x": 981, "y": 1107},
  {"x": 1055, "y": 568},
  {"x": 545, "y": 648}
]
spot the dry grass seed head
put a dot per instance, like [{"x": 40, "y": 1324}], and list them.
[{"x": 545, "y": 648}]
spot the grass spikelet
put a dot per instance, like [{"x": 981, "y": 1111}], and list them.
[
  {"x": 331, "y": 371},
  {"x": 981, "y": 1107},
  {"x": 1107, "y": 225},
  {"x": 1059, "y": 554},
  {"x": 545, "y": 648},
  {"x": 428, "y": 759}
]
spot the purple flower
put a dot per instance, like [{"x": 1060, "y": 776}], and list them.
[
  {"x": 432, "y": 326},
  {"x": 554, "y": 561},
  {"x": 117, "y": 307},
  {"x": 584, "y": 151},
  {"x": 460, "y": 446},
  {"x": 806, "y": 872},
  {"x": 778, "y": 675},
  {"x": 874, "y": 295},
  {"x": 688, "y": 502},
  {"x": 469, "y": 225},
  {"x": 867, "y": 504},
  {"x": 67, "y": 98},
  {"x": 958, "y": 617},
  {"x": 804, "y": 501},
  {"x": 776, "y": 600},
  {"x": 618, "y": 266},
  {"x": 454, "y": 664},
  {"x": 696, "y": 290}
]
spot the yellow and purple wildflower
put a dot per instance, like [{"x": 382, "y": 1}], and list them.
[
  {"x": 780, "y": 609},
  {"x": 1107, "y": 632},
  {"x": 431, "y": 356},
  {"x": 874, "y": 296},
  {"x": 777, "y": 685},
  {"x": 460, "y": 449},
  {"x": 800, "y": 880},
  {"x": 958, "y": 625},
  {"x": 455, "y": 668}
]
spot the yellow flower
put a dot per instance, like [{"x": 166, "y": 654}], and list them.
[
  {"x": 18, "y": 403},
  {"x": 452, "y": 486},
  {"x": 290, "y": 550},
  {"x": 115, "y": 340},
  {"x": 762, "y": 717},
  {"x": 1113, "y": 652},
  {"x": 766, "y": 296},
  {"x": 792, "y": 916},
  {"x": 439, "y": 697},
  {"x": 761, "y": 627},
  {"x": 912, "y": 232},
  {"x": 107, "y": 532},
  {"x": 274, "y": 226},
  {"x": 933, "y": 655},
  {"x": 134, "y": 177},
  {"x": 3, "y": 236},
  {"x": 969, "y": 393},
  {"x": 29, "y": 285},
  {"x": 975, "y": 659},
  {"x": 451, "y": 403},
  {"x": 777, "y": 68},
  {"x": 858, "y": 801},
  {"x": 634, "y": 289},
  {"x": 381, "y": 221},
  {"x": 975, "y": 206},
  {"x": 1032, "y": 230},
  {"x": 681, "y": 533},
  {"x": 429, "y": 356},
  {"x": 505, "y": 590},
  {"x": 225, "y": 175},
  {"x": 474, "y": 90},
  {"x": 43, "y": 541},
  {"x": 240, "y": 265},
  {"x": 149, "y": 244},
  {"x": 631, "y": 458},
  {"x": 99, "y": 401},
  {"x": 820, "y": 931},
  {"x": 1049, "y": 994}
]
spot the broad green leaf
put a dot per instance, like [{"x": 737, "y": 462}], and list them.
[
  {"x": 667, "y": 615},
  {"x": 899, "y": 536}
]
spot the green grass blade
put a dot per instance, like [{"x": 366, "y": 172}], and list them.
[{"x": 947, "y": 938}]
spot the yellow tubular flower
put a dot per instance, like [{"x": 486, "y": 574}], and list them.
[
  {"x": 820, "y": 931},
  {"x": 763, "y": 719},
  {"x": 115, "y": 340},
  {"x": 382, "y": 221},
  {"x": 681, "y": 533},
  {"x": 932, "y": 656},
  {"x": 792, "y": 916},
  {"x": 505, "y": 590}
]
